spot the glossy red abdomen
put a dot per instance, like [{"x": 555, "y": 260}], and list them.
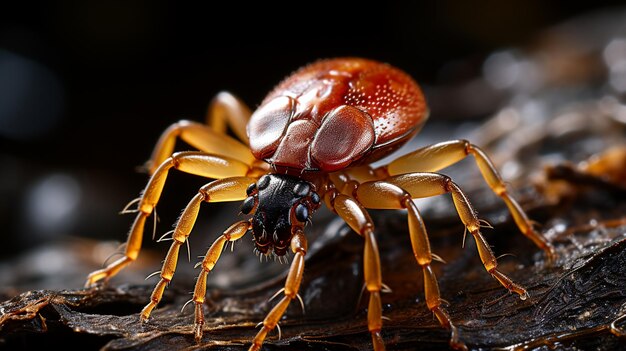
[{"x": 336, "y": 113}]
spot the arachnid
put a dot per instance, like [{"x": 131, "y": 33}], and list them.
[{"x": 309, "y": 142}]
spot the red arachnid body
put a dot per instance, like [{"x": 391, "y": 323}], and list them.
[
  {"x": 311, "y": 141},
  {"x": 333, "y": 114}
]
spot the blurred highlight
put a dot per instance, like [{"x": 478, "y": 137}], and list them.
[{"x": 31, "y": 98}]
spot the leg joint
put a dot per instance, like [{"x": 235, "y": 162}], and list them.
[
  {"x": 182, "y": 124},
  {"x": 468, "y": 146},
  {"x": 405, "y": 201},
  {"x": 330, "y": 195},
  {"x": 425, "y": 261},
  {"x": 173, "y": 160},
  {"x": 176, "y": 128},
  {"x": 500, "y": 191},
  {"x": 367, "y": 229},
  {"x": 146, "y": 209},
  {"x": 447, "y": 183},
  {"x": 179, "y": 238},
  {"x": 205, "y": 195}
]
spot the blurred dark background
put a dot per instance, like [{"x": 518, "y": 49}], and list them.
[{"x": 87, "y": 87}]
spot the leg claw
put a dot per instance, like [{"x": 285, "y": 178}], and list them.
[
  {"x": 95, "y": 277},
  {"x": 197, "y": 332},
  {"x": 145, "y": 313}
]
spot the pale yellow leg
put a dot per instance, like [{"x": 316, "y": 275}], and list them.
[
  {"x": 230, "y": 189},
  {"x": 359, "y": 220},
  {"x": 435, "y": 157},
  {"x": 394, "y": 192},
  {"x": 227, "y": 110},
  {"x": 423, "y": 255},
  {"x": 189, "y": 162},
  {"x": 292, "y": 285},
  {"x": 234, "y": 233},
  {"x": 203, "y": 138}
]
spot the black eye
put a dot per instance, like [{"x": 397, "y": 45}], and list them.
[
  {"x": 301, "y": 189},
  {"x": 315, "y": 198},
  {"x": 263, "y": 182},
  {"x": 251, "y": 188},
  {"x": 248, "y": 205},
  {"x": 302, "y": 213}
]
